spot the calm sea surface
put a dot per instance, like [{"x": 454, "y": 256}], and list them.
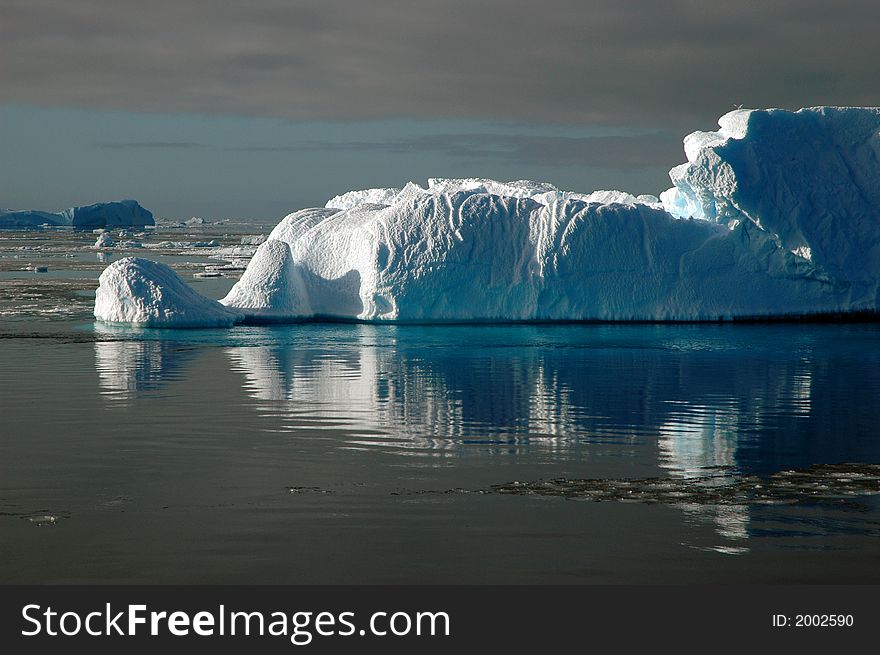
[{"x": 333, "y": 453}]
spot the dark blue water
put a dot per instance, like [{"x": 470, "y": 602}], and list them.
[{"x": 362, "y": 453}]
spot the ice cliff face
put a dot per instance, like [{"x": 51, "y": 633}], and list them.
[
  {"x": 122, "y": 213},
  {"x": 777, "y": 213},
  {"x": 811, "y": 178}
]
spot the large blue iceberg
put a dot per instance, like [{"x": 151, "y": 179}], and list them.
[
  {"x": 776, "y": 214},
  {"x": 122, "y": 213}
]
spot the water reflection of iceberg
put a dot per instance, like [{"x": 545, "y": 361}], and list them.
[
  {"x": 357, "y": 389},
  {"x": 599, "y": 405},
  {"x": 592, "y": 403},
  {"x": 126, "y": 368},
  {"x": 704, "y": 432},
  {"x": 700, "y": 440},
  {"x": 421, "y": 391},
  {"x": 417, "y": 399}
]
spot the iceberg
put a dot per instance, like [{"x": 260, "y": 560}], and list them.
[
  {"x": 25, "y": 219},
  {"x": 104, "y": 240},
  {"x": 121, "y": 213},
  {"x": 775, "y": 214},
  {"x": 477, "y": 256},
  {"x": 139, "y": 291}
]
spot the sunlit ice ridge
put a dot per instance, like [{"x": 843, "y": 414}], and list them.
[{"x": 776, "y": 214}]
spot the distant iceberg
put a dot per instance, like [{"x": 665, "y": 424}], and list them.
[
  {"x": 775, "y": 214},
  {"x": 121, "y": 213},
  {"x": 26, "y": 219}
]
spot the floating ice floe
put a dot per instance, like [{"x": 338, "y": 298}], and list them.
[
  {"x": 775, "y": 214},
  {"x": 104, "y": 240}
]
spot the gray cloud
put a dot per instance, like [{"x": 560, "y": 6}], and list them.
[
  {"x": 146, "y": 145},
  {"x": 567, "y": 61},
  {"x": 615, "y": 152}
]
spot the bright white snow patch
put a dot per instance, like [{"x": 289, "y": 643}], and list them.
[
  {"x": 355, "y": 198},
  {"x": 135, "y": 290}
]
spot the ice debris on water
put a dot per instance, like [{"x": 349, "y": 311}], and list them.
[
  {"x": 43, "y": 519},
  {"x": 819, "y": 483}
]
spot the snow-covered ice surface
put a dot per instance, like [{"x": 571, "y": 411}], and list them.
[
  {"x": 135, "y": 290},
  {"x": 775, "y": 214},
  {"x": 354, "y": 198}
]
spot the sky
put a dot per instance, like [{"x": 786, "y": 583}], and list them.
[{"x": 254, "y": 109}]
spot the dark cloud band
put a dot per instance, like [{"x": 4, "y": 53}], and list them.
[{"x": 567, "y": 61}]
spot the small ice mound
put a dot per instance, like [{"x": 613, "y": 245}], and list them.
[
  {"x": 271, "y": 284},
  {"x": 141, "y": 292},
  {"x": 104, "y": 240},
  {"x": 274, "y": 287}
]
